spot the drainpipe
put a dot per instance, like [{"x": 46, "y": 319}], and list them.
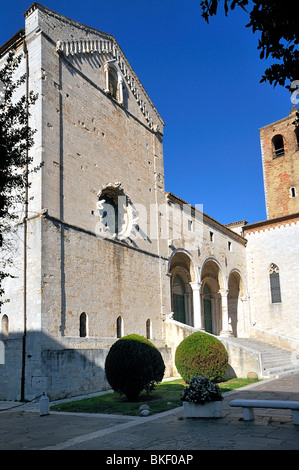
[{"x": 25, "y": 235}]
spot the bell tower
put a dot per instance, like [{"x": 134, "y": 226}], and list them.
[{"x": 280, "y": 157}]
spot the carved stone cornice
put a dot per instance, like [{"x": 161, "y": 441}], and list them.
[
  {"x": 109, "y": 47},
  {"x": 96, "y": 41}
]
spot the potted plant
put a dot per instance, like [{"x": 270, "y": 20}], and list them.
[{"x": 202, "y": 399}]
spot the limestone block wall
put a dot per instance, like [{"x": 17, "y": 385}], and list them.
[
  {"x": 104, "y": 279},
  {"x": 205, "y": 238},
  {"x": 11, "y": 370},
  {"x": 216, "y": 255},
  {"x": 71, "y": 372},
  {"x": 242, "y": 360},
  {"x": 276, "y": 244},
  {"x": 89, "y": 142}
]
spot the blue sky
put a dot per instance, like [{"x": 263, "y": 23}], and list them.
[{"x": 204, "y": 81}]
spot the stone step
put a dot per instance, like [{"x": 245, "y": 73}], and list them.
[{"x": 275, "y": 361}]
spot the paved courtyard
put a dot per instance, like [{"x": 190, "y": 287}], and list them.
[{"x": 22, "y": 428}]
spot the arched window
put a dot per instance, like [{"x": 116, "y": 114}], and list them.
[
  {"x": 83, "y": 325},
  {"x": 114, "y": 81},
  {"x": 119, "y": 327},
  {"x": 278, "y": 145},
  {"x": 274, "y": 284},
  {"x": 116, "y": 213},
  {"x": 5, "y": 326},
  {"x": 109, "y": 214},
  {"x": 148, "y": 329},
  {"x": 293, "y": 192},
  {"x": 178, "y": 297},
  {"x": 112, "y": 77}
]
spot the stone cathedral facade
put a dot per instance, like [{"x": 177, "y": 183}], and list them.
[{"x": 104, "y": 251}]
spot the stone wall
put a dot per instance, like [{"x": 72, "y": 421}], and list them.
[{"x": 279, "y": 245}]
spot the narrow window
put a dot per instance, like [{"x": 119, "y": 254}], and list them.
[
  {"x": 229, "y": 246},
  {"x": 112, "y": 77},
  {"x": 278, "y": 145},
  {"x": 83, "y": 325},
  {"x": 114, "y": 81},
  {"x": 148, "y": 329},
  {"x": 274, "y": 284},
  {"x": 5, "y": 328},
  {"x": 297, "y": 138},
  {"x": 293, "y": 192},
  {"x": 211, "y": 236},
  {"x": 119, "y": 327},
  {"x": 190, "y": 225}
]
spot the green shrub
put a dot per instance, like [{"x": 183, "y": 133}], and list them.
[
  {"x": 134, "y": 364},
  {"x": 201, "y": 354}
]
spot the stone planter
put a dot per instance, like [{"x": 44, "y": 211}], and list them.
[{"x": 211, "y": 409}]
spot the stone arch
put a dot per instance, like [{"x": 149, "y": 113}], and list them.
[
  {"x": 278, "y": 145},
  {"x": 182, "y": 274},
  {"x": 212, "y": 269},
  {"x": 184, "y": 257},
  {"x": 236, "y": 295},
  {"x": 212, "y": 287}
]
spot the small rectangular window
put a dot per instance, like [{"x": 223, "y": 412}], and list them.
[
  {"x": 211, "y": 236},
  {"x": 229, "y": 246}
]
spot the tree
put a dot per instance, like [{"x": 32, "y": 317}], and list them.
[
  {"x": 277, "y": 23},
  {"x": 16, "y": 138},
  {"x": 134, "y": 364}
]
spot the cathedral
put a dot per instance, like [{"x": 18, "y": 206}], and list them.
[{"x": 102, "y": 250}]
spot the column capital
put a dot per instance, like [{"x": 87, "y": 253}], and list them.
[
  {"x": 195, "y": 285},
  {"x": 223, "y": 292}
]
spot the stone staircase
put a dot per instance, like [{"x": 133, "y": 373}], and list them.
[{"x": 276, "y": 361}]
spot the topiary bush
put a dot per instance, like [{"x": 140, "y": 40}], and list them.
[
  {"x": 201, "y": 354},
  {"x": 134, "y": 364}
]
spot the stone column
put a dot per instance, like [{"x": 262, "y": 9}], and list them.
[
  {"x": 106, "y": 69},
  {"x": 120, "y": 89},
  {"x": 196, "y": 305},
  {"x": 224, "y": 306}
]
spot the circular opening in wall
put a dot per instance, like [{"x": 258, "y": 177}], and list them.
[{"x": 116, "y": 213}]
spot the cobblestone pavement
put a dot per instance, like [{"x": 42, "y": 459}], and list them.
[{"x": 22, "y": 428}]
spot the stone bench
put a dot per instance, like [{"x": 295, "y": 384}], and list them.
[{"x": 249, "y": 405}]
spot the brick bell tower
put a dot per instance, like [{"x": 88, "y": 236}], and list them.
[{"x": 280, "y": 157}]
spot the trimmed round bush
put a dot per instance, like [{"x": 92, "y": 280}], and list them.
[
  {"x": 134, "y": 364},
  {"x": 201, "y": 354}
]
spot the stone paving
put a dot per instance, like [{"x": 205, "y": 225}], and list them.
[{"x": 22, "y": 428}]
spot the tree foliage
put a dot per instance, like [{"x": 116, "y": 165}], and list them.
[
  {"x": 16, "y": 138},
  {"x": 277, "y": 23},
  {"x": 201, "y": 354},
  {"x": 134, "y": 364}
]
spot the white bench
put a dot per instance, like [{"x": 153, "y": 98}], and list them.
[{"x": 249, "y": 405}]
